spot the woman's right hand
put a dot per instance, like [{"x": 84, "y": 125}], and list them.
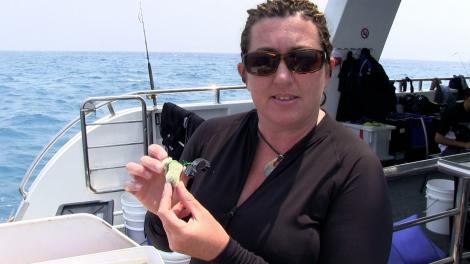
[{"x": 148, "y": 178}]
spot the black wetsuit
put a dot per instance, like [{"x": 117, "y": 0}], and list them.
[{"x": 326, "y": 202}]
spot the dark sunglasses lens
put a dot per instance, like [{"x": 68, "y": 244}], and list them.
[
  {"x": 303, "y": 61},
  {"x": 259, "y": 63}
]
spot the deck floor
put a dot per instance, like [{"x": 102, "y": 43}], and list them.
[{"x": 408, "y": 197}]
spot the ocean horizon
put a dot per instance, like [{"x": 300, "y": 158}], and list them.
[{"x": 42, "y": 91}]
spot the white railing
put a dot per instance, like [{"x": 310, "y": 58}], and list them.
[{"x": 150, "y": 94}]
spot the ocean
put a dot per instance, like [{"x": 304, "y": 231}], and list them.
[{"x": 41, "y": 92}]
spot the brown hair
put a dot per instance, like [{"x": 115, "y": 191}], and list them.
[{"x": 285, "y": 8}]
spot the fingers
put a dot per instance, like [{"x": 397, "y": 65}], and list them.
[
  {"x": 165, "y": 203},
  {"x": 202, "y": 236},
  {"x": 149, "y": 164},
  {"x": 165, "y": 212},
  {"x": 138, "y": 170},
  {"x": 157, "y": 151},
  {"x": 152, "y": 164},
  {"x": 180, "y": 211},
  {"x": 133, "y": 187},
  {"x": 184, "y": 177},
  {"x": 187, "y": 200}
]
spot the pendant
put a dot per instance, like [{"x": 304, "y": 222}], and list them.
[{"x": 271, "y": 165}]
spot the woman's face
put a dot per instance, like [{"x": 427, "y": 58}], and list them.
[{"x": 285, "y": 98}]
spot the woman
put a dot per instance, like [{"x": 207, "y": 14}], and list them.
[{"x": 287, "y": 184}]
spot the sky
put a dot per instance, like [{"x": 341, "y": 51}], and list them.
[{"x": 423, "y": 29}]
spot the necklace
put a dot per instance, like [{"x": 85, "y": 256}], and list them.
[{"x": 271, "y": 165}]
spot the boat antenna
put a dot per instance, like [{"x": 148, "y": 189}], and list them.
[{"x": 149, "y": 66}]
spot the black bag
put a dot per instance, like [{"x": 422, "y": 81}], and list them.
[
  {"x": 176, "y": 127},
  {"x": 419, "y": 104}
]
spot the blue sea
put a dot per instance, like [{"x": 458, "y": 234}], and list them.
[{"x": 40, "y": 92}]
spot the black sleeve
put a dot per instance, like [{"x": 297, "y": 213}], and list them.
[
  {"x": 454, "y": 120},
  {"x": 235, "y": 253},
  {"x": 358, "y": 228},
  {"x": 445, "y": 123},
  {"x": 155, "y": 233}
]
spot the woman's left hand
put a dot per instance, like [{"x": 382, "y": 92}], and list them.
[{"x": 201, "y": 236}]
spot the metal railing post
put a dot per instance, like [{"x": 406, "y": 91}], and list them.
[
  {"x": 459, "y": 221},
  {"x": 462, "y": 173},
  {"x": 217, "y": 96}
]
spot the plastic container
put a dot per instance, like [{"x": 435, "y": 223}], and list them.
[
  {"x": 145, "y": 254},
  {"x": 174, "y": 257},
  {"x": 136, "y": 233},
  {"x": 57, "y": 237},
  {"x": 377, "y": 137},
  {"x": 439, "y": 198}
]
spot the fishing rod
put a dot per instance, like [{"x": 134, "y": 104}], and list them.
[{"x": 149, "y": 67}]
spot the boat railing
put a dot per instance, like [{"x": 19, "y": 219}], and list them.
[
  {"x": 88, "y": 107},
  {"x": 149, "y": 94},
  {"x": 456, "y": 166},
  {"x": 143, "y": 93},
  {"x": 421, "y": 80},
  {"x": 42, "y": 154},
  {"x": 215, "y": 89}
]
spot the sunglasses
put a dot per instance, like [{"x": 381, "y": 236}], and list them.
[{"x": 266, "y": 62}]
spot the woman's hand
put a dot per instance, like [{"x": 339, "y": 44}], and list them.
[
  {"x": 201, "y": 236},
  {"x": 149, "y": 178}
]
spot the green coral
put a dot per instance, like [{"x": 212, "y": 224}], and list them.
[{"x": 173, "y": 170}]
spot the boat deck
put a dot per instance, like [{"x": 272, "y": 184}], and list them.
[{"x": 408, "y": 197}]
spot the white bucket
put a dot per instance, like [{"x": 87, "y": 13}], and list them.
[
  {"x": 174, "y": 257},
  {"x": 134, "y": 222},
  {"x": 131, "y": 205},
  {"x": 133, "y": 213},
  {"x": 440, "y": 197},
  {"x": 136, "y": 234}
]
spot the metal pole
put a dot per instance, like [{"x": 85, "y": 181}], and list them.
[{"x": 459, "y": 220}]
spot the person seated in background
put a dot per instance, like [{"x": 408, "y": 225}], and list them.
[
  {"x": 453, "y": 130},
  {"x": 443, "y": 95}
]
